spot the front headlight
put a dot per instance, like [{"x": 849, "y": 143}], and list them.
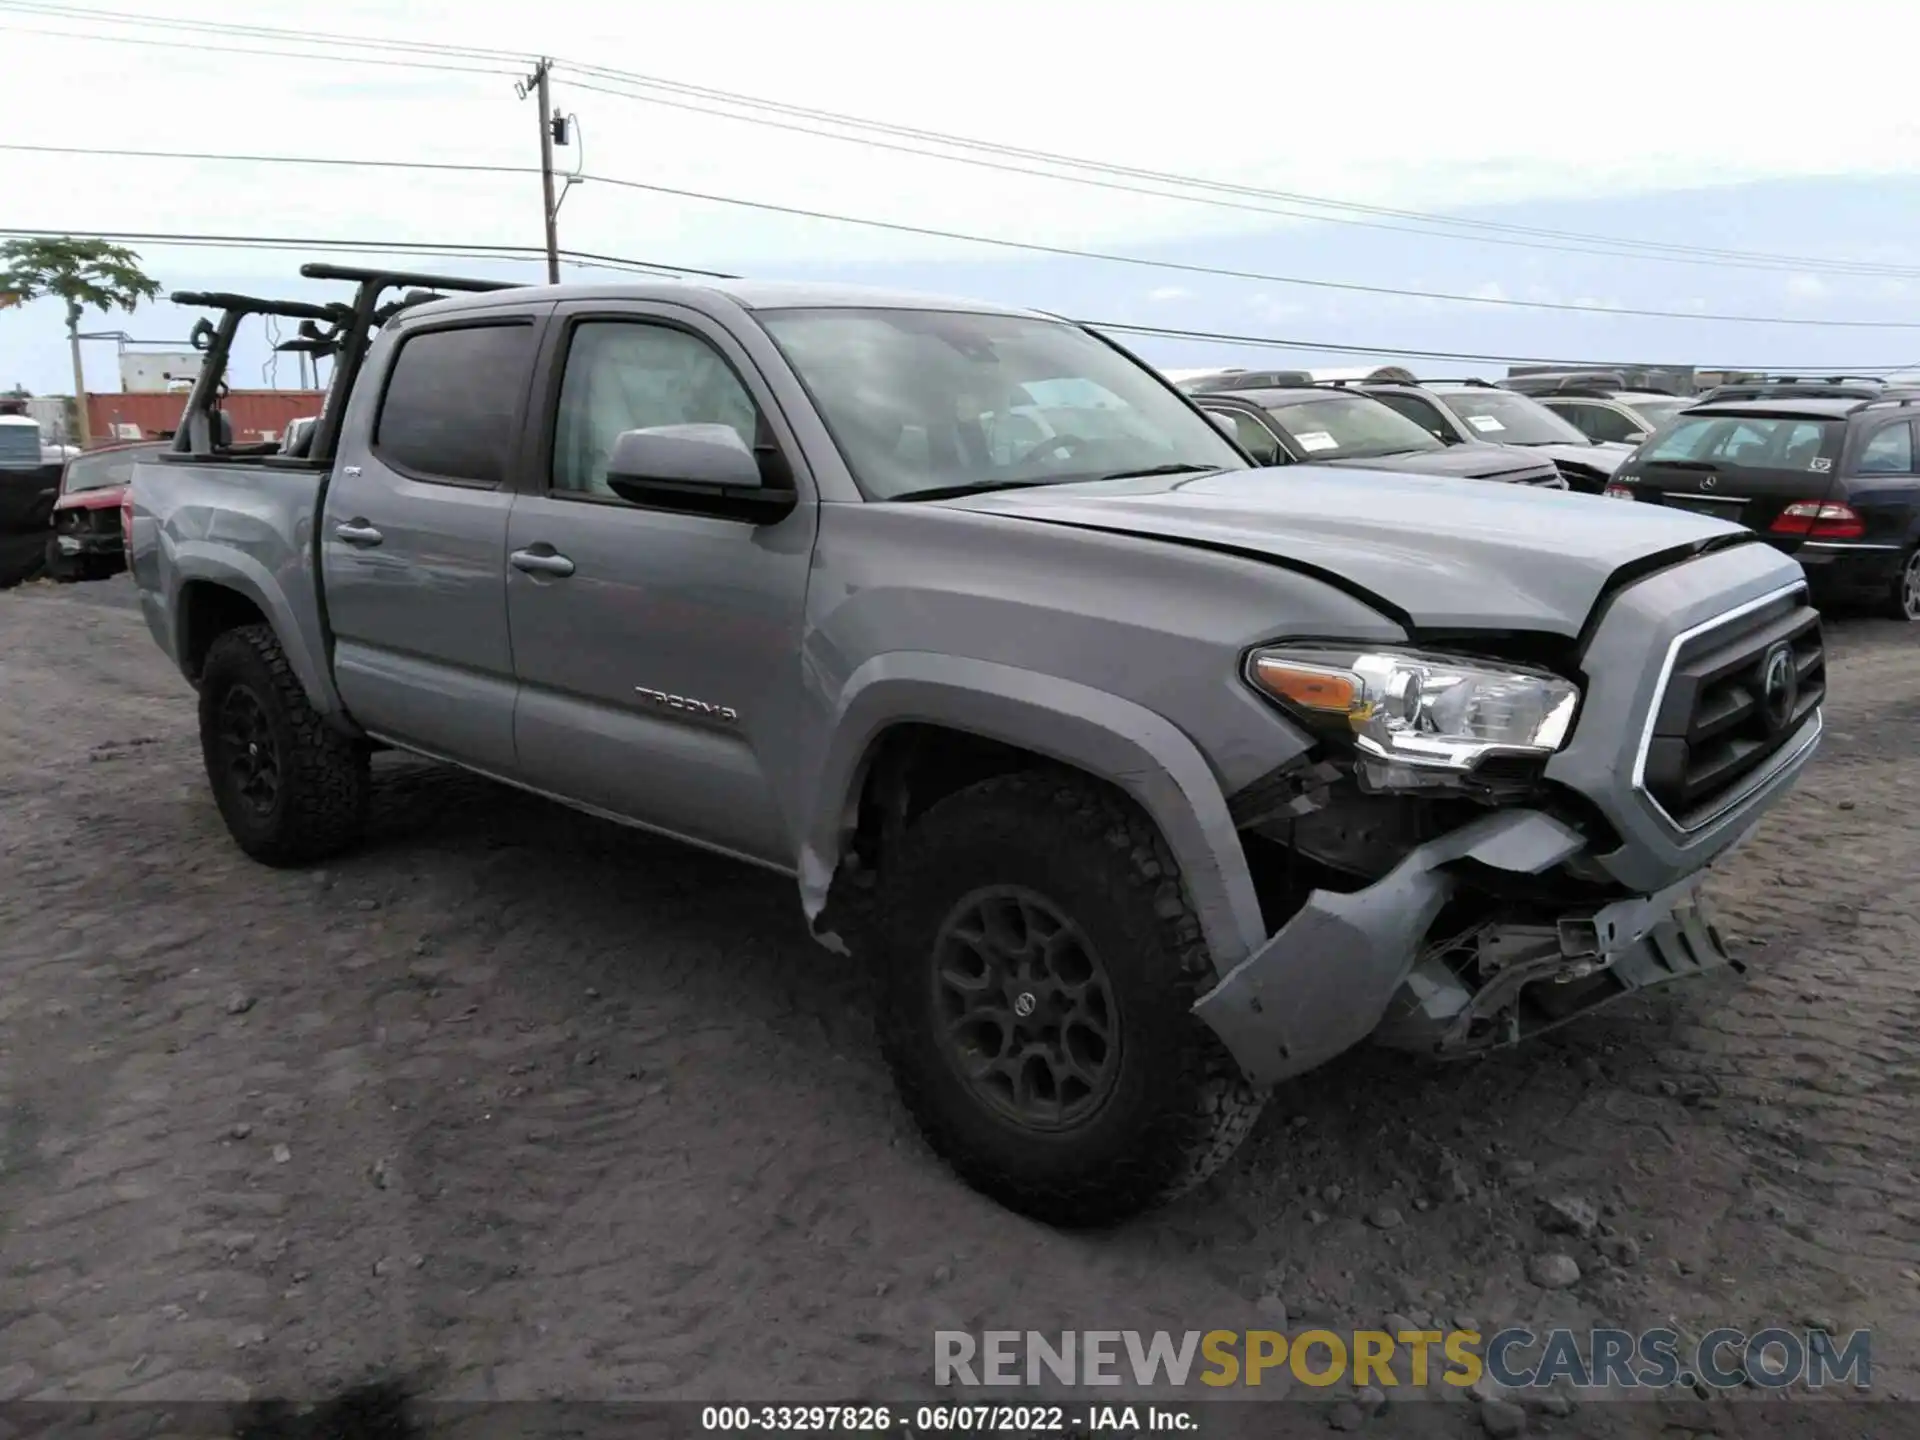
[{"x": 1431, "y": 711}]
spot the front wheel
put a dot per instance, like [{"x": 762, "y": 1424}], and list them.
[
  {"x": 1039, "y": 965},
  {"x": 290, "y": 787},
  {"x": 1903, "y": 601}
]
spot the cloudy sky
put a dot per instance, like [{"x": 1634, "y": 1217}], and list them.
[{"x": 1692, "y": 133}]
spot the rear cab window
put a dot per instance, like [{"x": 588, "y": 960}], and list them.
[
  {"x": 1750, "y": 442},
  {"x": 452, "y": 400},
  {"x": 104, "y": 468}
]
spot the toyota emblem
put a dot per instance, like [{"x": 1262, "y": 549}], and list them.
[{"x": 1779, "y": 687}]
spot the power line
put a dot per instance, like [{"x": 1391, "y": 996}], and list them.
[
  {"x": 420, "y": 249},
  {"x": 203, "y": 49},
  {"x": 1621, "y": 247},
  {"x": 1489, "y": 231},
  {"x": 999, "y": 242},
  {"x": 663, "y": 269}
]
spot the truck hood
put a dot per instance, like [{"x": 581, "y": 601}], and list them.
[
  {"x": 1433, "y": 553},
  {"x": 101, "y": 497},
  {"x": 1469, "y": 462}
]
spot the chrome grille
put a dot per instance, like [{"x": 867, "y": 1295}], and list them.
[{"x": 1736, "y": 692}]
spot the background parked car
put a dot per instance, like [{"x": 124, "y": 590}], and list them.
[
  {"x": 1601, "y": 405},
  {"x": 1464, "y": 412},
  {"x": 1327, "y": 426},
  {"x": 1832, "y": 480},
  {"x": 87, "y": 543},
  {"x": 29, "y": 479}
]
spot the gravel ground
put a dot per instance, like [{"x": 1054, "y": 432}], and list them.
[{"x": 530, "y": 1106}]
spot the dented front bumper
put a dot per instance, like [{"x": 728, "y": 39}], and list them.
[{"x": 1351, "y": 965}]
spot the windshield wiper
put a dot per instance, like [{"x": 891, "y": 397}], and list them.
[
  {"x": 1177, "y": 467},
  {"x": 967, "y": 487}
]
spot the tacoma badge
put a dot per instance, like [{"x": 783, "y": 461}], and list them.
[{"x": 725, "y": 714}]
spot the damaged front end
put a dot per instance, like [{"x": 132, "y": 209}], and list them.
[{"x": 1450, "y": 923}]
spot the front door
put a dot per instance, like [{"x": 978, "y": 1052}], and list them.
[
  {"x": 413, "y": 539},
  {"x": 658, "y": 653}
]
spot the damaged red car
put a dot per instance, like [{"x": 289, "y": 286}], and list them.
[{"x": 87, "y": 542}]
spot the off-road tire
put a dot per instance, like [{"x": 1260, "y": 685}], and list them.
[
  {"x": 321, "y": 807},
  {"x": 1896, "y": 605},
  {"x": 1179, "y": 1107}
]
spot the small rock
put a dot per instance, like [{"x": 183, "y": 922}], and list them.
[
  {"x": 1556, "y": 1404},
  {"x": 1422, "y": 1204},
  {"x": 1669, "y": 1087},
  {"x": 1467, "y": 1323},
  {"x": 1502, "y": 1419},
  {"x": 380, "y": 1174},
  {"x": 1384, "y": 1217},
  {"x": 1844, "y": 805},
  {"x": 592, "y": 994},
  {"x": 1332, "y": 1194},
  {"x": 240, "y": 1131},
  {"x": 239, "y": 1003},
  {"x": 942, "y": 1274},
  {"x": 1817, "y": 1321},
  {"x": 1622, "y": 1250},
  {"x": 366, "y": 905},
  {"x": 1316, "y": 1217},
  {"x": 1517, "y": 1170},
  {"x": 247, "y": 1337},
  {"x": 281, "y": 1154},
  {"x": 1297, "y": 1121},
  {"x": 1398, "y": 1325},
  {"x": 1273, "y": 1310},
  {"x": 1372, "y": 1402},
  {"x": 383, "y": 1266},
  {"x": 1569, "y": 1215},
  {"x": 1553, "y": 1271},
  {"x": 1346, "y": 1416},
  {"x": 418, "y": 1262}
]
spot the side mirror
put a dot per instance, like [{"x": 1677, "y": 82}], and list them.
[{"x": 701, "y": 469}]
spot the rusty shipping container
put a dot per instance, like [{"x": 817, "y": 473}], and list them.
[{"x": 257, "y": 414}]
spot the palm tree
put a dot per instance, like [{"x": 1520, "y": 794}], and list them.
[{"x": 88, "y": 275}]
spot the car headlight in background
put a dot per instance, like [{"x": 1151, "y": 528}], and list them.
[
  {"x": 1617, "y": 491},
  {"x": 1429, "y": 711}
]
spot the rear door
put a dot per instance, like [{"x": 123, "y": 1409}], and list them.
[
  {"x": 1744, "y": 467},
  {"x": 414, "y": 536},
  {"x": 658, "y": 651},
  {"x": 1883, "y": 485}
]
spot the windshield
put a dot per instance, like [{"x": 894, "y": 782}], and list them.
[
  {"x": 1349, "y": 427},
  {"x": 930, "y": 399},
  {"x": 1748, "y": 442},
  {"x": 103, "y": 468},
  {"x": 1508, "y": 419},
  {"x": 1658, "y": 412}
]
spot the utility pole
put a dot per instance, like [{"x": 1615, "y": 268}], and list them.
[{"x": 544, "y": 100}]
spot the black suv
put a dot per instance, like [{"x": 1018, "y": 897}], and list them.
[
  {"x": 1832, "y": 480},
  {"x": 1326, "y": 425},
  {"x": 1463, "y": 412},
  {"x": 1798, "y": 387}
]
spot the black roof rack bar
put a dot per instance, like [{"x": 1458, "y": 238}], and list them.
[
  {"x": 254, "y": 305},
  {"x": 389, "y": 278}
]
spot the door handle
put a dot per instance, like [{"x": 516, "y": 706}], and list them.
[
  {"x": 358, "y": 532},
  {"x": 541, "y": 560}
]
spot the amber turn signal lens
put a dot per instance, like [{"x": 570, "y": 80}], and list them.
[{"x": 1332, "y": 692}]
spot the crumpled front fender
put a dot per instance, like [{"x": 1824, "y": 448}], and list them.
[{"x": 1324, "y": 981}]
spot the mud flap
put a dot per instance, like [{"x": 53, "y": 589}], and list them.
[{"x": 1322, "y": 984}]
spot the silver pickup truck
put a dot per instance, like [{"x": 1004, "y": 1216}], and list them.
[{"x": 1141, "y": 778}]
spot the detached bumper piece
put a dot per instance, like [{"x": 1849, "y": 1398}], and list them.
[
  {"x": 1365, "y": 963},
  {"x": 1504, "y": 984}
]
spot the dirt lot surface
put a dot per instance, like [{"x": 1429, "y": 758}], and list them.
[{"x": 531, "y": 1106}]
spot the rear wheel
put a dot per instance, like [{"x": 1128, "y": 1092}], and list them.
[
  {"x": 290, "y": 788},
  {"x": 1040, "y": 963},
  {"x": 1903, "y": 601}
]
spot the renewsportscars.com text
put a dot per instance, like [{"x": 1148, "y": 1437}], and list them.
[{"x": 1516, "y": 1358}]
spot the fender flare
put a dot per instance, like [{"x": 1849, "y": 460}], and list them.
[
  {"x": 233, "y": 569},
  {"x": 1103, "y": 734}
]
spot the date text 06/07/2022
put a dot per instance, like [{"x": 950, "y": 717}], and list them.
[{"x": 948, "y": 1419}]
